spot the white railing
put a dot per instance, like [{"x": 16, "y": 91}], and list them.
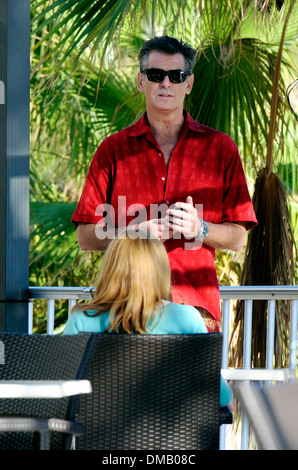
[
  {"x": 228, "y": 294},
  {"x": 249, "y": 295}
]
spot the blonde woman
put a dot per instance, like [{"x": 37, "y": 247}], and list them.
[{"x": 133, "y": 295}]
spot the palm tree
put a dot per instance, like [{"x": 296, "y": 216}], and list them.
[{"x": 270, "y": 251}]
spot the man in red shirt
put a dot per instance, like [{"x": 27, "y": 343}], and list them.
[{"x": 144, "y": 175}]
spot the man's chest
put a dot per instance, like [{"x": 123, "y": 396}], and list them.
[{"x": 145, "y": 178}]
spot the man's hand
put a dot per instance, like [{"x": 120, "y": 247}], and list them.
[
  {"x": 158, "y": 228},
  {"x": 223, "y": 236},
  {"x": 184, "y": 221}
]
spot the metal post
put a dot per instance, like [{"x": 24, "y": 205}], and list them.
[
  {"x": 225, "y": 359},
  {"x": 246, "y": 364},
  {"x": 293, "y": 334},
  {"x": 50, "y": 316},
  {"x": 14, "y": 163},
  {"x": 270, "y": 334},
  {"x": 225, "y": 332}
]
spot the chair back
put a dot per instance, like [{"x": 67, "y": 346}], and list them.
[
  {"x": 38, "y": 357},
  {"x": 153, "y": 392}
]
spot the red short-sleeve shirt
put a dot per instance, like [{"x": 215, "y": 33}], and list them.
[{"x": 129, "y": 174}]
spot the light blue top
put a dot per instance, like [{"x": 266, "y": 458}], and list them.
[{"x": 173, "y": 319}]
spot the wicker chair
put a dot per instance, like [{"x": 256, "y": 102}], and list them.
[
  {"x": 37, "y": 357},
  {"x": 153, "y": 392}
]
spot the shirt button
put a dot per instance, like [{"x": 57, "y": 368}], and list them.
[
  {"x": 163, "y": 178},
  {"x": 159, "y": 154}
]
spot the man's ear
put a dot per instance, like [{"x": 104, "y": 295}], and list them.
[
  {"x": 141, "y": 82},
  {"x": 190, "y": 82}
]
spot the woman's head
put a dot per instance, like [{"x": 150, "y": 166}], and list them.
[{"x": 134, "y": 279}]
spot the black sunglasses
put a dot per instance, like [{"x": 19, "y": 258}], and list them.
[{"x": 158, "y": 75}]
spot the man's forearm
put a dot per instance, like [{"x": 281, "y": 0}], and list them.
[
  {"x": 226, "y": 236},
  {"x": 97, "y": 237},
  {"x": 88, "y": 239}
]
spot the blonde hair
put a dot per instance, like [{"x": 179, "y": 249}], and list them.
[{"x": 133, "y": 281}]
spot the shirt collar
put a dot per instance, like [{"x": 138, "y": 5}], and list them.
[{"x": 142, "y": 127}]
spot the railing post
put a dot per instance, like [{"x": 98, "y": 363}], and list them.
[
  {"x": 30, "y": 317},
  {"x": 50, "y": 316},
  {"x": 71, "y": 304},
  {"x": 270, "y": 334},
  {"x": 225, "y": 332},
  {"x": 246, "y": 364},
  {"x": 225, "y": 357},
  {"x": 293, "y": 334},
  {"x": 247, "y": 334}
]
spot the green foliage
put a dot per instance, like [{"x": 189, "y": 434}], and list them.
[{"x": 83, "y": 87}]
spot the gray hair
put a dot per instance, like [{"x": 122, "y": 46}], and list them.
[{"x": 170, "y": 46}]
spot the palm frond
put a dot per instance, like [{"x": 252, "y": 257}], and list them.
[
  {"x": 114, "y": 98},
  {"x": 55, "y": 247},
  {"x": 232, "y": 93},
  {"x": 55, "y": 257}
]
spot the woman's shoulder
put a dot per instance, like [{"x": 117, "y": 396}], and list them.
[
  {"x": 186, "y": 317},
  {"x": 86, "y": 320},
  {"x": 179, "y": 308}
]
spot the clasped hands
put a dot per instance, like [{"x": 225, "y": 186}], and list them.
[{"x": 186, "y": 222}]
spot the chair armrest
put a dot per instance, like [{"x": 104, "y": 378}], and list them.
[{"x": 226, "y": 416}]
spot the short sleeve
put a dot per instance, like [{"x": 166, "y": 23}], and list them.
[
  {"x": 71, "y": 327},
  {"x": 97, "y": 189},
  {"x": 237, "y": 204}
]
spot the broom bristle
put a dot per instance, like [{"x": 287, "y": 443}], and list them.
[{"x": 269, "y": 261}]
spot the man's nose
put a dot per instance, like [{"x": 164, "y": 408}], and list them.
[{"x": 166, "y": 82}]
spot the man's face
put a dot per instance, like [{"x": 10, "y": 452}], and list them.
[{"x": 165, "y": 96}]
